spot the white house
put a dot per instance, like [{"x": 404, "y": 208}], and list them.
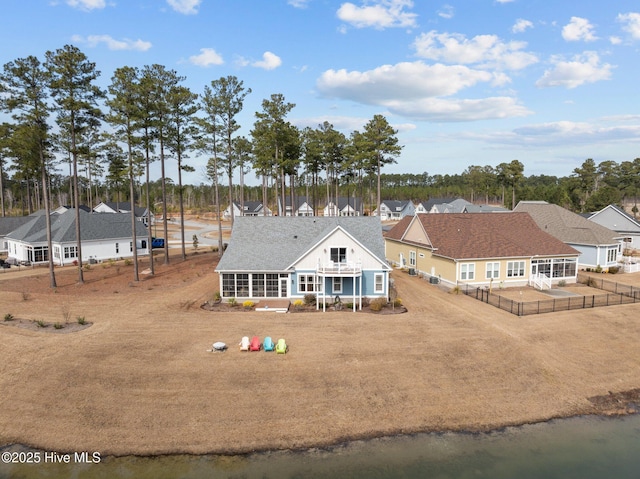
[
  {"x": 345, "y": 206},
  {"x": 7, "y": 225},
  {"x": 249, "y": 208},
  {"x": 125, "y": 207},
  {"x": 427, "y": 206},
  {"x": 301, "y": 206},
  {"x": 104, "y": 236},
  {"x": 395, "y": 210}
]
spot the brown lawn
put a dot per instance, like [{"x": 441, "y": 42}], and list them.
[{"x": 140, "y": 379}]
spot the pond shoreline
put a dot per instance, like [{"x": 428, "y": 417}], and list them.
[{"x": 612, "y": 405}]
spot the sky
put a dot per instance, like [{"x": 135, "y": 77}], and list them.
[{"x": 482, "y": 82}]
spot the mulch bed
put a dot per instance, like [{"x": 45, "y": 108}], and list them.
[
  {"x": 45, "y": 327},
  {"x": 224, "y": 307}
]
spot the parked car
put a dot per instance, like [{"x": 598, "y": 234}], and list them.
[
  {"x": 157, "y": 242},
  {"x": 4, "y": 264}
]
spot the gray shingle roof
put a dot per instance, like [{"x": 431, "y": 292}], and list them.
[
  {"x": 275, "y": 243},
  {"x": 565, "y": 225},
  {"x": 10, "y": 223},
  {"x": 95, "y": 226}
]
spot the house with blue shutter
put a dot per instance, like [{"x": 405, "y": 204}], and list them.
[{"x": 335, "y": 258}]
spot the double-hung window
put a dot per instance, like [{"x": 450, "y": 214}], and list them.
[
  {"x": 467, "y": 271},
  {"x": 515, "y": 269},
  {"x": 493, "y": 270},
  {"x": 339, "y": 255}
]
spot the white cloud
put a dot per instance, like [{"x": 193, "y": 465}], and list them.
[
  {"x": 187, "y": 7},
  {"x": 113, "y": 44},
  {"x": 207, "y": 57},
  {"x": 615, "y": 40},
  {"x": 346, "y": 123},
  {"x": 87, "y": 4},
  {"x": 414, "y": 90},
  {"x": 504, "y": 1},
  {"x": 487, "y": 51},
  {"x": 298, "y": 3},
  {"x": 447, "y": 11},
  {"x": 521, "y": 25},
  {"x": 631, "y": 23},
  {"x": 578, "y": 29},
  {"x": 563, "y": 132},
  {"x": 381, "y": 14},
  {"x": 560, "y": 134},
  {"x": 270, "y": 61},
  {"x": 455, "y": 110},
  {"x": 404, "y": 80},
  {"x": 584, "y": 68}
]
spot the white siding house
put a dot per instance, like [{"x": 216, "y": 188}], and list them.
[
  {"x": 104, "y": 236},
  {"x": 395, "y": 210}
]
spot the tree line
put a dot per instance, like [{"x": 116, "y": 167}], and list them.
[{"x": 108, "y": 139}]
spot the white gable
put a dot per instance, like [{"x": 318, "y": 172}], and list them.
[{"x": 321, "y": 253}]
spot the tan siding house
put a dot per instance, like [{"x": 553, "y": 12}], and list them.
[{"x": 498, "y": 249}]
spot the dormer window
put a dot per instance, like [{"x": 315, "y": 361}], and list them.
[{"x": 339, "y": 255}]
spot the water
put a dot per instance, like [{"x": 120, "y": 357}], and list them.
[{"x": 581, "y": 448}]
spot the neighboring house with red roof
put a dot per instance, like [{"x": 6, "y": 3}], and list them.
[{"x": 499, "y": 249}]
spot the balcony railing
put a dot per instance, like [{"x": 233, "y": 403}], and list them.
[{"x": 346, "y": 269}]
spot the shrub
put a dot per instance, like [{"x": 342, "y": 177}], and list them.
[
  {"x": 128, "y": 262},
  {"x": 58, "y": 325},
  {"x": 455, "y": 290},
  {"x": 81, "y": 320},
  {"x": 562, "y": 283},
  {"x": 348, "y": 305},
  {"x": 309, "y": 299},
  {"x": 298, "y": 303},
  {"x": 377, "y": 304},
  {"x": 248, "y": 304},
  {"x": 598, "y": 269},
  {"x": 397, "y": 302},
  {"x": 41, "y": 323},
  {"x": 25, "y": 296},
  {"x": 86, "y": 267},
  {"x": 614, "y": 269},
  {"x": 233, "y": 302},
  {"x": 8, "y": 317}
]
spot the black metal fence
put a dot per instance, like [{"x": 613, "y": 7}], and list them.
[
  {"x": 619, "y": 294},
  {"x": 606, "y": 285}
]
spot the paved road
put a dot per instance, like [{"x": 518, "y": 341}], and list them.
[{"x": 206, "y": 232}]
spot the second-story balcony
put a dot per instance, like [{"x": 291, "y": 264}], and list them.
[{"x": 340, "y": 269}]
